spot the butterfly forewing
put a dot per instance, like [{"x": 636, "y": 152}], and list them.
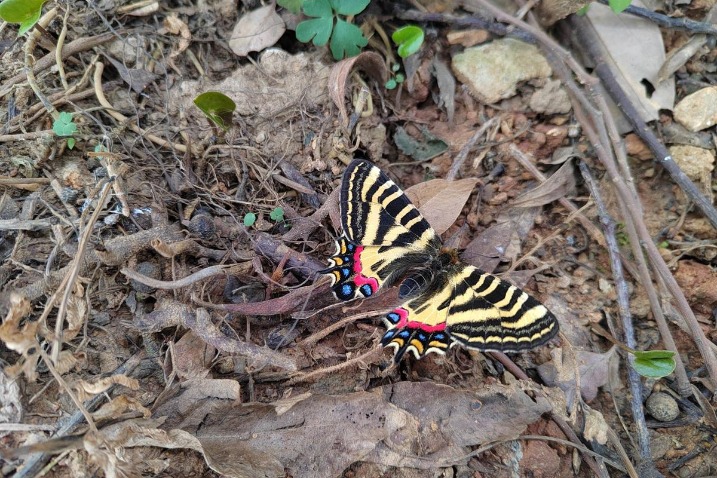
[
  {"x": 386, "y": 238},
  {"x": 374, "y": 211}
]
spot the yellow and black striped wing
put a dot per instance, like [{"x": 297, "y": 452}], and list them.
[
  {"x": 375, "y": 212},
  {"x": 384, "y": 234},
  {"x": 487, "y": 313},
  {"x": 473, "y": 308}
]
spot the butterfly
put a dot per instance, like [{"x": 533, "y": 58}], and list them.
[{"x": 444, "y": 301}]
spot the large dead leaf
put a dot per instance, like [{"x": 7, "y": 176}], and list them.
[
  {"x": 257, "y": 30},
  {"x": 441, "y": 201},
  {"x": 419, "y": 425},
  {"x": 635, "y": 48},
  {"x": 592, "y": 368}
]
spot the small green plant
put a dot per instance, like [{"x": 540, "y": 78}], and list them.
[
  {"x": 64, "y": 126},
  {"x": 616, "y": 6},
  {"x": 327, "y": 23},
  {"x": 24, "y": 12},
  {"x": 396, "y": 77},
  {"x": 654, "y": 363},
  {"x": 277, "y": 214},
  {"x": 408, "y": 39},
  {"x": 249, "y": 219},
  {"x": 218, "y": 107}
]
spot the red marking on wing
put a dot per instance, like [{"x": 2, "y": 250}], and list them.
[
  {"x": 361, "y": 279},
  {"x": 413, "y": 324}
]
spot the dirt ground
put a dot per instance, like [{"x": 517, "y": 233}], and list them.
[{"x": 162, "y": 310}]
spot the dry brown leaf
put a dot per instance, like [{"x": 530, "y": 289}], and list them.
[
  {"x": 76, "y": 315},
  {"x": 371, "y": 63},
  {"x": 174, "y": 25},
  {"x": 65, "y": 362},
  {"x": 20, "y": 338},
  {"x": 593, "y": 370},
  {"x": 441, "y": 201},
  {"x": 560, "y": 184},
  {"x": 192, "y": 357},
  {"x": 119, "y": 405},
  {"x": 87, "y": 390},
  {"x": 408, "y": 424},
  {"x": 257, "y": 30}
]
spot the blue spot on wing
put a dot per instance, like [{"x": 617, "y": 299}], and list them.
[
  {"x": 393, "y": 317},
  {"x": 366, "y": 290},
  {"x": 345, "y": 271},
  {"x": 347, "y": 291}
]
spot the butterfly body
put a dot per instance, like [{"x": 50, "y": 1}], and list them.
[{"x": 445, "y": 301}]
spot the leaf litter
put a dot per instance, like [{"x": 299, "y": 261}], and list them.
[{"x": 229, "y": 364}]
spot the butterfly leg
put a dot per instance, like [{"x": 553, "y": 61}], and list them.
[
  {"x": 348, "y": 281},
  {"x": 405, "y": 335}
]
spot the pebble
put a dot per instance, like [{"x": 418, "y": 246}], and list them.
[
  {"x": 492, "y": 71},
  {"x": 662, "y": 407},
  {"x": 696, "y": 163},
  {"x": 698, "y": 111}
]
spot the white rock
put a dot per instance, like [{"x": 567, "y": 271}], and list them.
[
  {"x": 493, "y": 71},
  {"x": 698, "y": 111},
  {"x": 697, "y": 163}
]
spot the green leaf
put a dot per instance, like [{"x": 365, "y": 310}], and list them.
[
  {"x": 249, "y": 219},
  {"x": 318, "y": 8},
  {"x": 277, "y": 214},
  {"x": 391, "y": 84},
  {"x": 24, "y": 12},
  {"x": 318, "y": 28},
  {"x": 619, "y": 5},
  {"x": 349, "y": 7},
  {"x": 400, "y": 78},
  {"x": 583, "y": 11},
  {"x": 409, "y": 40},
  {"x": 218, "y": 107},
  {"x": 654, "y": 363},
  {"x": 347, "y": 40},
  {"x": 294, "y": 6},
  {"x": 70, "y": 143},
  {"x": 63, "y": 125}
]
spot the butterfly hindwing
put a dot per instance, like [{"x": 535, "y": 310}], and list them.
[
  {"x": 473, "y": 308},
  {"x": 488, "y": 313}
]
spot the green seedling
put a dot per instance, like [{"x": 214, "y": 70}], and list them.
[
  {"x": 277, "y": 215},
  {"x": 327, "y": 23},
  {"x": 24, "y": 12},
  {"x": 408, "y": 39},
  {"x": 64, "y": 126},
  {"x": 218, "y": 107},
  {"x": 396, "y": 78},
  {"x": 249, "y": 219}
]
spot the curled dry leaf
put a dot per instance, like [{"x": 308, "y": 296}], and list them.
[
  {"x": 175, "y": 26},
  {"x": 559, "y": 185},
  {"x": 441, "y": 201},
  {"x": 20, "y": 338},
  {"x": 371, "y": 63},
  {"x": 87, "y": 390},
  {"x": 119, "y": 405},
  {"x": 257, "y": 30}
]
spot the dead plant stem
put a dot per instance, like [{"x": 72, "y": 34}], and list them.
[
  {"x": 75, "y": 269},
  {"x": 623, "y": 303}
]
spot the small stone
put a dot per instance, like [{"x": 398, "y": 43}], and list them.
[
  {"x": 148, "y": 269},
  {"x": 637, "y": 148},
  {"x": 492, "y": 71},
  {"x": 695, "y": 162},
  {"x": 662, "y": 407},
  {"x": 468, "y": 38},
  {"x": 551, "y": 99},
  {"x": 698, "y": 111}
]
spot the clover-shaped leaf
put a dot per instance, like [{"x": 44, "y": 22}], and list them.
[
  {"x": 317, "y": 29},
  {"x": 347, "y": 40},
  {"x": 277, "y": 214},
  {"x": 349, "y": 7},
  {"x": 294, "y": 6},
  {"x": 63, "y": 125}
]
